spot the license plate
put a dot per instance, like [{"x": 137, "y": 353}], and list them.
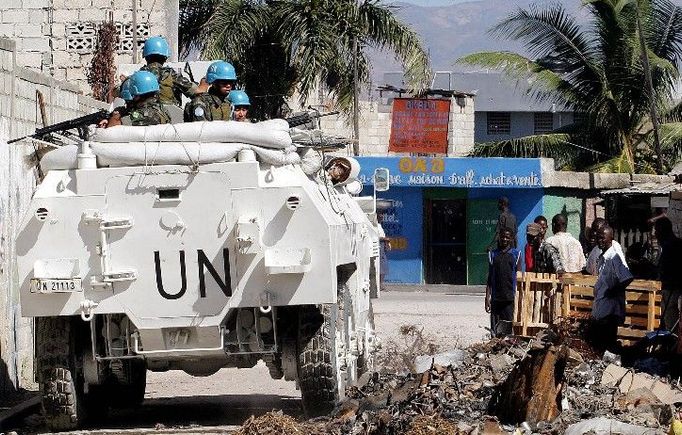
[{"x": 39, "y": 285}]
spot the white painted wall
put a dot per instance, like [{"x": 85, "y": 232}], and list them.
[{"x": 19, "y": 115}]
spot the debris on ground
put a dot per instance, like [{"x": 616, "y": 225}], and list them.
[{"x": 552, "y": 383}]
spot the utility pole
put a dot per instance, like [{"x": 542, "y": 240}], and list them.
[
  {"x": 650, "y": 86},
  {"x": 356, "y": 100},
  {"x": 135, "y": 59}
]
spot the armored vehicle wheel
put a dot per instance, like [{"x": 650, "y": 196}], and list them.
[
  {"x": 319, "y": 370},
  {"x": 131, "y": 393},
  {"x": 60, "y": 386}
]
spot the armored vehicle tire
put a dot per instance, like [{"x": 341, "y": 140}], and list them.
[
  {"x": 130, "y": 394},
  {"x": 319, "y": 375},
  {"x": 62, "y": 402}
]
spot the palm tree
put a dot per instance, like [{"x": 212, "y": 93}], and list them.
[
  {"x": 597, "y": 71},
  {"x": 284, "y": 46}
]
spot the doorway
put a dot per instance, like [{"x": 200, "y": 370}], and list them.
[{"x": 445, "y": 235}]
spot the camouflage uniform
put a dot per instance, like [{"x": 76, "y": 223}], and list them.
[
  {"x": 171, "y": 84},
  {"x": 149, "y": 112},
  {"x": 208, "y": 107}
]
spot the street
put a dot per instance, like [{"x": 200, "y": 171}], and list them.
[{"x": 219, "y": 403}]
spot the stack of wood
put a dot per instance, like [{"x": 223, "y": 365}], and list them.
[{"x": 544, "y": 299}]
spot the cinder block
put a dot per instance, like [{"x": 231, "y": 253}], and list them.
[
  {"x": 59, "y": 44},
  {"x": 92, "y": 14},
  {"x": 7, "y": 30},
  {"x": 30, "y": 60},
  {"x": 38, "y": 44},
  {"x": 35, "y": 4},
  {"x": 38, "y": 16},
  {"x": 64, "y": 15},
  {"x": 34, "y": 30},
  {"x": 12, "y": 4},
  {"x": 15, "y": 16}
]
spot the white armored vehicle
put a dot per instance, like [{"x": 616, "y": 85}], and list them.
[{"x": 194, "y": 247}]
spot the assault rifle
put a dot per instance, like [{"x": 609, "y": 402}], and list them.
[
  {"x": 81, "y": 123},
  {"x": 307, "y": 117}
]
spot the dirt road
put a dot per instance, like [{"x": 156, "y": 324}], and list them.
[{"x": 218, "y": 403}]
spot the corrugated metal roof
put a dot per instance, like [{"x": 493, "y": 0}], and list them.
[{"x": 645, "y": 189}]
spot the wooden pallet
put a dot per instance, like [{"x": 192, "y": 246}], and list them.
[{"x": 543, "y": 299}]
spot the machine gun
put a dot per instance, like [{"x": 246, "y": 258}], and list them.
[
  {"x": 81, "y": 123},
  {"x": 306, "y": 117}
]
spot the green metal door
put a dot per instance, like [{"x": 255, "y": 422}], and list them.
[{"x": 481, "y": 221}]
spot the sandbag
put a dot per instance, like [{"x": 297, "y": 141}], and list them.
[
  {"x": 269, "y": 134},
  {"x": 184, "y": 153},
  {"x": 64, "y": 157}
]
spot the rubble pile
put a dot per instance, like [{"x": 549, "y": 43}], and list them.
[{"x": 512, "y": 385}]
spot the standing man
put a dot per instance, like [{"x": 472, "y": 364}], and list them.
[
  {"x": 145, "y": 108},
  {"x": 608, "y": 308},
  {"x": 545, "y": 257},
  {"x": 172, "y": 84},
  {"x": 240, "y": 105},
  {"x": 669, "y": 263},
  {"x": 529, "y": 252},
  {"x": 506, "y": 219},
  {"x": 503, "y": 263},
  {"x": 595, "y": 252},
  {"x": 570, "y": 249},
  {"x": 214, "y": 105}
]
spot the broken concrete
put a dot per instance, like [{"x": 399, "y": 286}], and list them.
[{"x": 626, "y": 380}]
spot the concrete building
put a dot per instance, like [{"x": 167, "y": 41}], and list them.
[
  {"x": 503, "y": 110},
  {"x": 444, "y": 209},
  {"x": 58, "y": 37}
]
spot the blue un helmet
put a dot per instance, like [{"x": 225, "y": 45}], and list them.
[
  {"x": 124, "y": 91},
  {"x": 220, "y": 70},
  {"x": 239, "y": 98},
  {"x": 156, "y": 45},
  {"x": 143, "y": 82}
]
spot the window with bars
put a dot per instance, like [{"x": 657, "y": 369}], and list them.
[
  {"x": 499, "y": 122},
  {"x": 82, "y": 37},
  {"x": 543, "y": 122}
]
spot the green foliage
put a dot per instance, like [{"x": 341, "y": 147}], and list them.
[
  {"x": 284, "y": 46},
  {"x": 598, "y": 71}
]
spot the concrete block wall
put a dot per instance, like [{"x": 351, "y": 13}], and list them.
[
  {"x": 55, "y": 36},
  {"x": 375, "y": 127},
  {"x": 19, "y": 115}
]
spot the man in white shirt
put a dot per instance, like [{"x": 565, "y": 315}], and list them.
[
  {"x": 608, "y": 307},
  {"x": 596, "y": 226},
  {"x": 570, "y": 249}
]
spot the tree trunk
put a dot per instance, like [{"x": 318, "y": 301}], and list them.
[{"x": 532, "y": 391}]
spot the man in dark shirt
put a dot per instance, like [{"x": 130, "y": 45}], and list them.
[
  {"x": 544, "y": 257},
  {"x": 504, "y": 262},
  {"x": 669, "y": 263},
  {"x": 505, "y": 220}
]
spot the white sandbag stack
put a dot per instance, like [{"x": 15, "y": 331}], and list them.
[{"x": 267, "y": 134}]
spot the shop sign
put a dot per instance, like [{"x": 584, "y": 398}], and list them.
[
  {"x": 455, "y": 172},
  {"x": 419, "y": 125}
]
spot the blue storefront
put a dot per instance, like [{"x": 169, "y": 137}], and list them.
[{"x": 445, "y": 210}]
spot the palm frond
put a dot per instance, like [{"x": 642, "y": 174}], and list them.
[{"x": 553, "y": 145}]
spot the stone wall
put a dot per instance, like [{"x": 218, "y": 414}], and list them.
[
  {"x": 375, "y": 127},
  {"x": 20, "y": 115},
  {"x": 59, "y": 37}
]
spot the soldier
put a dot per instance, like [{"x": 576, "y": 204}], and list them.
[
  {"x": 171, "y": 83},
  {"x": 213, "y": 105},
  {"x": 120, "y": 111},
  {"x": 240, "y": 105},
  {"x": 145, "y": 108}
]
